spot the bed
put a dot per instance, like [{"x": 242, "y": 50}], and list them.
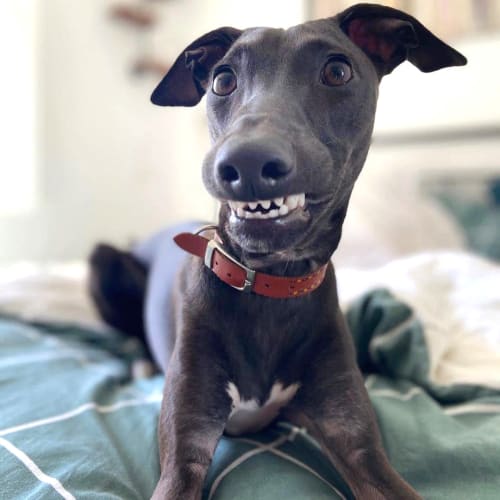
[{"x": 79, "y": 409}]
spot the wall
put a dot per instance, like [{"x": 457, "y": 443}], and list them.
[
  {"x": 111, "y": 165},
  {"x": 18, "y": 155}
]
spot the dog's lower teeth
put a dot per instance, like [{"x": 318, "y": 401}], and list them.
[
  {"x": 267, "y": 209},
  {"x": 292, "y": 201},
  {"x": 283, "y": 210}
]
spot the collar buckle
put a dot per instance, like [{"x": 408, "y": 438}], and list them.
[{"x": 250, "y": 273}]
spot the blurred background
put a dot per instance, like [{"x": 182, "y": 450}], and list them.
[{"x": 86, "y": 157}]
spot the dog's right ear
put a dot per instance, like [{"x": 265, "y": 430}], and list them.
[{"x": 186, "y": 81}]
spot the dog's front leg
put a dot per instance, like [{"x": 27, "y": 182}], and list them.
[
  {"x": 193, "y": 416},
  {"x": 349, "y": 436},
  {"x": 334, "y": 407}
]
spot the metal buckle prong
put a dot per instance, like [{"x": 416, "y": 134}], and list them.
[{"x": 250, "y": 273}]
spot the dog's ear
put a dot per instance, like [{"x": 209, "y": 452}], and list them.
[
  {"x": 389, "y": 37},
  {"x": 186, "y": 81}
]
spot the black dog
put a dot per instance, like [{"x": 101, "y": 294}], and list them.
[{"x": 257, "y": 328}]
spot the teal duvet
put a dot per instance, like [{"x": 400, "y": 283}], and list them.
[{"x": 75, "y": 424}]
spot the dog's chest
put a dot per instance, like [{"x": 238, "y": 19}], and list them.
[{"x": 249, "y": 415}]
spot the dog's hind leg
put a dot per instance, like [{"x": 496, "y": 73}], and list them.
[
  {"x": 117, "y": 285},
  {"x": 132, "y": 290}
]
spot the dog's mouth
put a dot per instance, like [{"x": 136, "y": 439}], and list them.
[
  {"x": 265, "y": 227},
  {"x": 267, "y": 209}
]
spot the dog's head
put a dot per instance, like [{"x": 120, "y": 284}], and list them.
[{"x": 291, "y": 114}]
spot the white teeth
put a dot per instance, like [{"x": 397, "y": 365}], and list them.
[
  {"x": 256, "y": 209},
  {"x": 283, "y": 210},
  {"x": 235, "y": 205},
  {"x": 292, "y": 201}
]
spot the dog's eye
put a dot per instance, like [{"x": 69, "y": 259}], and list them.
[
  {"x": 336, "y": 72},
  {"x": 224, "y": 82}
]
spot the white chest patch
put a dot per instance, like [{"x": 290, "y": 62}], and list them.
[{"x": 249, "y": 416}]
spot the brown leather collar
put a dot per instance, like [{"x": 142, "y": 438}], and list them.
[{"x": 244, "y": 279}]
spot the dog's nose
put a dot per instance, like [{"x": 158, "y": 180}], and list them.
[{"x": 248, "y": 168}]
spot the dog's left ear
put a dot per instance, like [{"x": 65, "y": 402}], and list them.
[
  {"x": 186, "y": 82},
  {"x": 389, "y": 37}
]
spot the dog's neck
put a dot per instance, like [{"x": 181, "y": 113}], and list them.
[{"x": 304, "y": 259}]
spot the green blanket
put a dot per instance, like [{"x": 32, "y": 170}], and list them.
[{"x": 74, "y": 424}]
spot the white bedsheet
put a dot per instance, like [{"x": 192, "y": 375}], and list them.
[
  {"x": 54, "y": 293},
  {"x": 457, "y": 297}
]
